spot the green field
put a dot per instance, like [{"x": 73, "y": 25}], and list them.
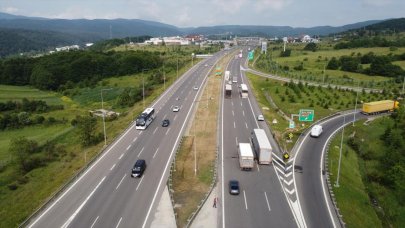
[
  {"x": 17, "y": 93},
  {"x": 314, "y": 64}
]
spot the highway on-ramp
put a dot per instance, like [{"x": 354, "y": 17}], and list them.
[{"x": 105, "y": 195}]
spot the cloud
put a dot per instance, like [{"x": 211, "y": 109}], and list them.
[
  {"x": 376, "y": 2},
  {"x": 183, "y": 17},
  {"x": 229, "y": 6},
  {"x": 262, "y": 5},
  {"x": 9, "y": 9}
]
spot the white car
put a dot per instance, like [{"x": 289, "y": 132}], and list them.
[
  {"x": 195, "y": 88},
  {"x": 316, "y": 130},
  {"x": 176, "y": 108},
  {"x": 260, "y": 118}
]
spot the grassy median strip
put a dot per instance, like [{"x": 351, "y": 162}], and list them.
[{"x": 195, "y": 161}]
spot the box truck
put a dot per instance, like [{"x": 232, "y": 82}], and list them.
[
  {"x": 228, "y": 91},
  {"x": 246, "y": 157},
  {"x": 379, "y": 106},
  {"x": 262, "y": 147}
]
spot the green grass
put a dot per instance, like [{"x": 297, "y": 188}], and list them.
[
  {"x": 351, "y": 195},
  {"x": 315, "y": 62},
  {"x": 17, "y": 93}
]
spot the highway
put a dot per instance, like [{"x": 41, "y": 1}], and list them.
[
  {"x": 105, "y": 195},
  {"x": 262, "y": 202},
  {"x": 310, "y": 180}
]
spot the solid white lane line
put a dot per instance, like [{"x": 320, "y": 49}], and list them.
[
  {"x": 112, "y": 167},
  {"x": 155, "y": 152},
  {"x": 66, "y": 224},
  {"x": 141, "y": 151},
  {"x": 244, "y": 196},
  {"x": 167, "y": 131},
  {"x": 246, "y": 125},
  {"x": 120, "y": 182},
  {"x": 128, "y": 147},
  {"x": 118, "y": 224},
  {"x": 267, "y": 200},
  {"x": 121, "y": 156},
  {"x": 155, "y": 130},
  {"x": 234, "y": 125},
  {"x": 95, "y": 220},
  {"x": 139, "y": 184}
]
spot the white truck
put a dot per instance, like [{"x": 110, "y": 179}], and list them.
[
  {"x": 228, "y": 91},
  {"x": 262, "y": 147},
  {"x": 246, "y": 157},
  {"x": 227, "y": 75}
]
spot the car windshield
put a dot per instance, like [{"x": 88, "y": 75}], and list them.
[{"x": 137, "y": 168}]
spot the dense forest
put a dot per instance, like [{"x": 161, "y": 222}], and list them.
[
  {"x": 16, "y": 41},
  {"x": 53, "y": 72}
]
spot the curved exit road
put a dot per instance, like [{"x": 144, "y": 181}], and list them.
[{"x": 310, "y": 180}]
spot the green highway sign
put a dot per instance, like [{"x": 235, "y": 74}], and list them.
[
  {"x": 250, "y": 56},
  {"x": 306, "y": 115}
]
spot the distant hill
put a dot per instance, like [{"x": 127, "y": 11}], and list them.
[
  {"x": 397, "y": 25},
  {"x": 15, "y": 41}
]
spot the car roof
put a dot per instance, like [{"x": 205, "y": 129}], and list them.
[{"x": 139, "y": 162}]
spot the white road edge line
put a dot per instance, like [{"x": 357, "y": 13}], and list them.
[
  {"x": 139, "y": 184},
  {"x": 67, "y": 223},
  {"x": 267, "y": 201},
  {"x": 95, "y": 220},
  {"x": 244, "y": 196},
  {"x": 120, "y": 182},
  {"x": 118, "y": 224}
]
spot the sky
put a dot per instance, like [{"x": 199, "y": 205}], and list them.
[{"x": 194, "y": 13}]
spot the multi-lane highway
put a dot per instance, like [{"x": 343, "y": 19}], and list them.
[
  {"x": 262, "y": 201},
  {"x": 105, "y": 195}
]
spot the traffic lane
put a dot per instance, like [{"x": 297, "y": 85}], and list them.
[{"x": 60, "y": 210}]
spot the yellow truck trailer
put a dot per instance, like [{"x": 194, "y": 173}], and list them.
[{"x": 379, "y": 106}]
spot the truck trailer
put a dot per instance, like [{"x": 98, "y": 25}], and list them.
[
  {"x": 228, "y": 91},
  {"x": 246, "y": 157},
  {"x": 262, "y": 147},
  {"x": 379, "y": 107}
]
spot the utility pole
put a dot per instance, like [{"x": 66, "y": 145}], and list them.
[
  {"x": 340, "y": 152},
  {"x": 355, "y": 106},
  {"x": 102, "y": 108}
]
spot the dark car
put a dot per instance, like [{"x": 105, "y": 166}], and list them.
[
  {"x": 165, "y": 123},
  {"x": 234, "y": 187},
  {"x": 139, "y": 168}
]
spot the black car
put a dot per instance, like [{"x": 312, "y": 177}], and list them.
[
  {"x": 234, "y": 187},
  {"x": 139, "y": 168},
  {"x": 165, "y": 123}
]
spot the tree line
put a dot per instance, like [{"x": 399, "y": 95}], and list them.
[
  {"x": 53, "y": 72},
  {"x": 368, "y": 42},
  {"x": 379, "y": 65}
]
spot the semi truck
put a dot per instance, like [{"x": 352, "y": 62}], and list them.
[
  {"x": 246, "y": 157},
  {"x": 379, "y": 107},
  {"x": 227, "y": 75},
  {"x": 262, "y": 147},
  {"x": 228, "y": 91}
]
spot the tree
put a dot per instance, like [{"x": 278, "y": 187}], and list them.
[
  {"x": 87, "y": 129},
  {"x": 285, "y": 53},
  {"x": 333, "y": 64},
  {"x": 22, "y": 149},
  {"x": 311, "y": 47}
]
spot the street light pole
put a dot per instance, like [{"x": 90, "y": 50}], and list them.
[
  {"x": 102, "y": 108},
  {"x": 340, "y": 152},
  {"x": 323, "y": 78},
  {"x": 177, "y": 75},
  {"x": 143, "y": 88},
  {"x": 355, "y": 106}
]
